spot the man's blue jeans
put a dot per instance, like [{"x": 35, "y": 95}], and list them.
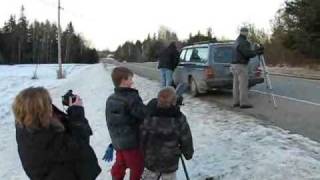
[{"x": 166, "y": 77}]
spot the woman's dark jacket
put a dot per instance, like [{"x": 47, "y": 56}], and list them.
[{"x": 60, "y": 152}]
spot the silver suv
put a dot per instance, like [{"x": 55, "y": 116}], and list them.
[{"x": 207, "y": 66}]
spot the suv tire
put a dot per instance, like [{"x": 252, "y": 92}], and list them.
[{"x": 193, "y": 88}]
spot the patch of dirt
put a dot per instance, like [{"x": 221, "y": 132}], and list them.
[{"x": 302, "y": 72}]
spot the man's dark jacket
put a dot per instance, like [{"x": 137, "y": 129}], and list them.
[
  {"x": 61, "y": 152},
  {"x": 243, "y": 51},
  {"x": 169, "y": 58},
  {"x": 165, "y": 135},
  {"x": 124, "y": 113}
]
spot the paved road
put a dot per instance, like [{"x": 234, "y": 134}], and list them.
[
  {"x": 298, "y": 102},
  {"x": 301, "y": 89},
  {"x": 296, "y": 88}
]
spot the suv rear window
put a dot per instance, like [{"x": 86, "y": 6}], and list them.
[
  {"x": 199, "y": 55},
  {"x": 188, "y": 55},
  {"x": 223, "y": 54},
  {"x": 182, "y": 55}
]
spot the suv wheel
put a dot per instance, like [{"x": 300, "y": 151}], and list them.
[{"x": 193, "y": 88}]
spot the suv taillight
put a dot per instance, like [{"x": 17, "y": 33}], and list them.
[{"x": 209, "y": 72}]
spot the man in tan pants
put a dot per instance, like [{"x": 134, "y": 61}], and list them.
[{"x": 239, "y": 68}]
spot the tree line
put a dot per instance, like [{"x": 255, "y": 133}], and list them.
[
  {"x": 296, "y": 33},
  {"x": 22, "y": 42},
  {"x": 294, "y": 40},
  {"x": 150, "y": 47},
  {"x": 295, "y": 37}
]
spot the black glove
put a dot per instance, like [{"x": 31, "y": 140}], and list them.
[{"x": 179, "y": 101}]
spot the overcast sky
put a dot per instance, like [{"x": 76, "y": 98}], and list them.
[{"x": 108, "y": 23}]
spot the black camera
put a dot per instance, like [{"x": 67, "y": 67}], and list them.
[
  {"x": 259, "y": 49},
  {"x": 65, "y": 98}
]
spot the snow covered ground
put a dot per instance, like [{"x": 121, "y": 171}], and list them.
[{"x": 227, "y": 145}]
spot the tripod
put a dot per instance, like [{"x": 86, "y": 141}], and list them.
[
  {"x": 184, "y": 168},
  {"x": 267, "y": 80}
]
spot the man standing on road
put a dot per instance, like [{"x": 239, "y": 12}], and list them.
[
  {"x": 168, "y": 61},
  {"x": 239, "y": 68}
]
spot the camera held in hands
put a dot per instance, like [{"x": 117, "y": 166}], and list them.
[{"x": 66, "y": 97}]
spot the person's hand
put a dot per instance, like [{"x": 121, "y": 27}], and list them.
[
  {"x": 179, "y": 101},
  {"x": 77, "y": 102},
  {"x": 108, "y": 156}
]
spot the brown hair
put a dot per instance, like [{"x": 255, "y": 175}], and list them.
[
  {"x": 32, "y": 108},
  {"x": 120, "y": 73},
  {"x": 167, "y": 97}
]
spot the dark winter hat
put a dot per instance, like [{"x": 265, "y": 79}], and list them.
[{"x": 244, "y": 29}]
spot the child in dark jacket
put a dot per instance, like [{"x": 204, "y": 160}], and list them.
[
  {"x": 165, "y": 135},
  {"x": 125, "y": 112}
]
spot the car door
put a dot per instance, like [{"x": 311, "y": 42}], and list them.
[
  {"x": 198, "y": 62},
  {"x": 178, "y": 76},
  {"x": 185, "y": 67},
  {"x": 192, "y": 63}
]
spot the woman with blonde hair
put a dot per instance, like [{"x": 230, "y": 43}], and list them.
[{"x": 53, "y": 145}]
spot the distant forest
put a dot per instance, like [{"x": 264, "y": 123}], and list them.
[
  {"x": 294, "y": 40},
  {"x": 148, "y": 49},
  {"x": 22, "y": 42}
]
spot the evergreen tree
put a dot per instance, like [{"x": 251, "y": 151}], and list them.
[
  {"x": 10, "y": 37},
  {"x": 200, "y": 38},
  {"x": 256, "y": 35},
  {"x": 22, "y": 35},
  {"x": 2, "y": 44},
  {"x": 37, "y": 43},
  {"x": 297, "y": 24},
  {"x": 138, "y": 51},
  {"x": 209, "y": 33}
]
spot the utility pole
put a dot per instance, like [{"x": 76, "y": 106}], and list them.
[{"x": 60, "y": 75}]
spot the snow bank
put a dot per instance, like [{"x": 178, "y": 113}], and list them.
[{"x": 227, "y": 145}]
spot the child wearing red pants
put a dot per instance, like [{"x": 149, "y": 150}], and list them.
[{"x": 125, "y": 112}]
